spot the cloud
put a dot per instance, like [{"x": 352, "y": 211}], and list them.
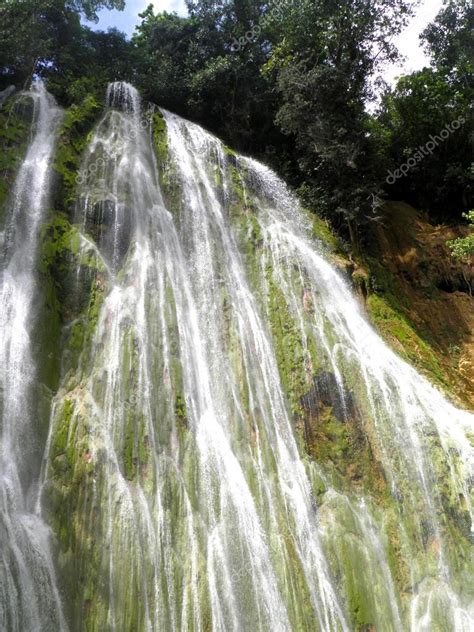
[
  {"x": 170, "y": 5},
  {"x": 127, "y": 19},
  {"x": 408, "y": 42}
]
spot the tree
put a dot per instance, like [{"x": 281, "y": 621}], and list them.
[
  {"x": 163, "y": 42},
  {"x": 255, "y": 71},
  {"x": 189, "y": 65},
  {"x": 448, "y": 39},
  {"x": 34, "y": 33},
  {"x": 429, "y": 111},
  {"x": 88, "y": 61},
  {"x": 323, "y": 56}
]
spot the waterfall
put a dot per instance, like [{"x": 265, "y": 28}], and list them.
[
  {"x": 29, "y": 598},
  {"x": 209, "y": 350}
]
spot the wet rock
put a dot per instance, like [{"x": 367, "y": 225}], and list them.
[{"x": 327, "y": 391}]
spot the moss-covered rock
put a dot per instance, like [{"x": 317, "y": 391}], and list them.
[
  {"x": 73, "y": 511},
  {"x": 73, "y": 280},
  {"x": 74, "y": 135},
  {"x": 160, "y": 139},
  {"x": 397, "y": 331},
  {"x": 418, "y": 305}
]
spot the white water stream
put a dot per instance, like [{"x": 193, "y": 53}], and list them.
[
  {"x": 29, "y": 597},
  {"x": 216, "y": 324}
]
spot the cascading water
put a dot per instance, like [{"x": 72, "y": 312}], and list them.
[
  {"x": 208, "y": 347},
  {"x": 29, "y": 598}
]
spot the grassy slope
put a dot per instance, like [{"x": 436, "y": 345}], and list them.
[{"x": 417, "y": 297}]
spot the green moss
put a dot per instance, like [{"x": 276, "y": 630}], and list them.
[
  {"x": 129, "y": 449},
  {"x": 58, "y": 257},
  {"x": 47, "y": 333},
  {"x": 136, "y": 447},
  {"x": 77, "y": 337},
  {"x": 338, "y": 443},
  {"x": 322, "y": 231},
  {"x": 180, "y": 411},
  {"x": 94, "y": 306},
  {"x": 254, "y": 232},
  {"x": 160, "y": 139},
  {"x": 59, "y": 248},
  {"x": 289, "y": 349},
  {"x": 61, "y": 434},
  {"x": 58, "y": 238},
  {"x": 237, "y": 186},
  {"x": 73, "y": 137},
  {"x": 383, "y": 283},
  {"x": 397, "y": 559},
  {"x": 229, "y": 152},
  {"x": 73, "y": 285},
  {"x": 332, "y": 439},
  {"x": 71, "y": 506},
  {"x": 167, "y": 174},
  {"x": 398, "y": 332}
]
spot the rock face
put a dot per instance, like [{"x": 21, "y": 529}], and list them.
[
  {"x": 228, "y": 445},
  {"x": 428, "y": 289}
]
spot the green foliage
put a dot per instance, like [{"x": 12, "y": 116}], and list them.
[
  {"x": 421, "y": 107},
  {"x": 284, "y": 81},
  {"x": 449, "y": 38},
  {"x": 424, "y": 107},
  {"x": 188, "y": 66},
  {"x": 321, "y": 62},
  {"x": 38, "y": 36},
  {"x": 281, "y": 81},
  {"x": 87, "y": 62},
  {"x": 463, "y": 248}
]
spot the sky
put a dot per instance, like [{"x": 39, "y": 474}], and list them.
[
  {"x": 127, "y": 19},
  {"x": 408, "y": 42}
]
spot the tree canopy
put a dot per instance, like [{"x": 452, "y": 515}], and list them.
[{"x": 284, "y": 81}]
